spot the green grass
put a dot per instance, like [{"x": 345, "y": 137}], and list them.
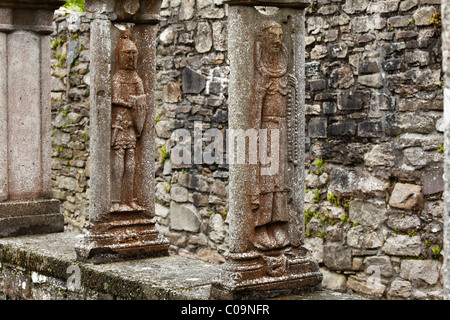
[{"x": 163, "y": 154}]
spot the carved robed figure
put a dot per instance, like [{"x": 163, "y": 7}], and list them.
[
  {"x": 266, "y": 95},
  {"x": 272, "y": 87}
]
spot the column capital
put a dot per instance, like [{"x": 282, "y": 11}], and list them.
[
  {"x": 273, "y": 3},
  {"x": 135, "y": 11},
  {"x": 29, "y": 15}
]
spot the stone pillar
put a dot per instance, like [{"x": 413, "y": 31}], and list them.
[
  {"x": 266, "y": 198},
  {"x": 122, "y": 209},
  {"x": 26, "y": 206},
  {"x": 445, "y": 12}
]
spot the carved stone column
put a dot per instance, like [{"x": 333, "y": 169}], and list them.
[
  {"x": 445, "y": 12},
  {"x": 266, "y": 105},
  {"x": 122, "y": 209},
  {"x": 26, "y": 206}
]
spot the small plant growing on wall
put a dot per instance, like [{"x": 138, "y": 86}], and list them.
[
  {"x": 163, "y": 154},
  {"x": 75, "y": 5},
  {"x": 435, "y": 20},
  {"x": 436, "y": 252}
]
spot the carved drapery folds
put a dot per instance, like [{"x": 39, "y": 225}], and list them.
[
  {"x": 266, "y": 94},
  {"x": 121, "y": 210}
]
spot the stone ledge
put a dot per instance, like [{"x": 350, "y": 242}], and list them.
[{"x": 43, "y": 264}]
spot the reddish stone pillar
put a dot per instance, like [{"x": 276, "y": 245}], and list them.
[
  {"x": 122, "y": 207},
  {"x": 26, "y": 206},
  {"x": 266, "y": 104}
]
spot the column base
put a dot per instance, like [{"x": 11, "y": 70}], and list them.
[
  {"x": 248, "y": 276},
  {"x": 121, "y": 240},
  {"x": 19, "y": 218}
]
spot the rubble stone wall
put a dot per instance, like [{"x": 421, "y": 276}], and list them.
[{"x": 374, "y": 128}]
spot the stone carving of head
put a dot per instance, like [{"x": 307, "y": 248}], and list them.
[
  {"x": 272, "y": 36},
  {"x": 126, "y": 52}
]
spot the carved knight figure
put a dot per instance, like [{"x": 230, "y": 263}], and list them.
[
  {"x": 272, "y": 87},
  {"x": 128, "y": 114}
]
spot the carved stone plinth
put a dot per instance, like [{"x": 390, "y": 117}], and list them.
[
  {"x": 122, "y": 206},
  {"x": 121, "y": 240},
  {"x": 26, "y": 206},
  {"x": 249, "y": 276},
  {"x": 266, "y": 197}
]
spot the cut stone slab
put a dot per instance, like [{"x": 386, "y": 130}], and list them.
[
  {"x": 433, "y": 181},
  {"x": 30, "y": 217},
  {"x": 422, "y": 271},
  {"x": 356, "y": 182},
  {"x": 407, "y": 196},
  {"x": 366, "y": 286},
  {"x": 402, "y": 245},
  {"x": 337, "y": 257},
  {"x": 400, "y": 289},
  {"x": 368, "y": 213},
  {"x": 192, "y": 82},
  {"x": 48, "y": 257}
]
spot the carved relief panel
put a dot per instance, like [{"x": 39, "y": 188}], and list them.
[
  {"x": 129, "y": 111},
  {"x": 275, "y": 93},
  {"x": 266, "y": 94}
]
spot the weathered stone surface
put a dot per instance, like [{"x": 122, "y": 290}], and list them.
[
  {"x": 187, "y": 10},
  {"x": 371, "y": 80},
  {"x": 317, "y": 128},
  {"x": 407, "y": 196},
  {"x": 179, "y": 194},
  {"x": 204, "y": 254},
  {"x": 167, "y": 36},
  {"x": 372, "y": 241},
  {"x": 204, "y": 38},
  {"x": 164, "y": 128},
  {"x": 406, "y": 223},
  {"x": 342, "y": 78},
  {"x": 355, "y": 237},
  {"x": 318, "y": 52},
  {"x": 381, "y": 264},
  {"x": 422, "y": 16},
  {"x": 353, "y": 6},
  {"x": 219, "y": 36},
  {"x": 384, "y": 6},
  {"x": 415, "y": 157},
  {"x": 337, "y": 257},
  {"x": 334, "y": 233},
  {"x": 380, "y": 155},
  {"x": 172, "y": 92},
  {"x": 402, "y": 245},
  {"x": 334, "y": 281},
  {"x": 355, "y": 182},
  {"x": 184, "y": 217},
  {"x": 347, "y": 128},
  {"x": 217, "y": 228},
  {"x": 366, "y": 286},
  {"x": 421, "y": 271},
  {"x": 353, "y": 100},
  {"x": 400, "y": 289},
  {"x": 315, "y": 248},
  {"x": 408, "y": 4},
  {"x": 432, "y": 181}
]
